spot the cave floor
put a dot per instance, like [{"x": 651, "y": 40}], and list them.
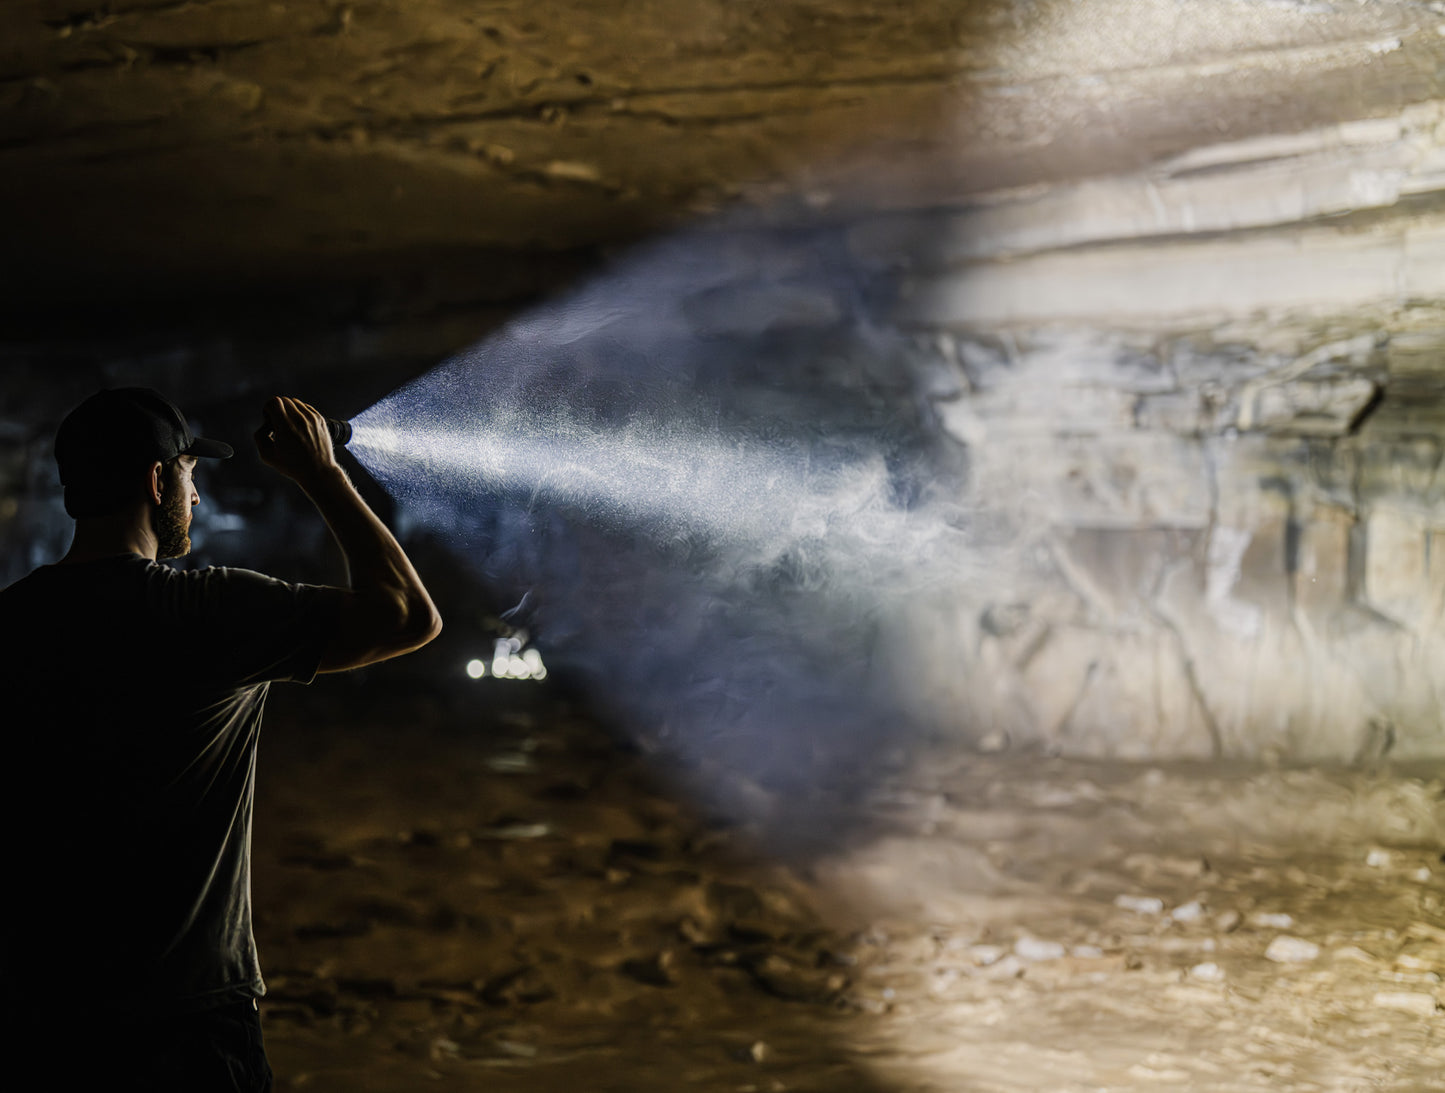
[{"x": 510, "y": 901}]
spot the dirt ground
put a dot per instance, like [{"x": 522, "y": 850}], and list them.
[{"x": 493, "y": 894}]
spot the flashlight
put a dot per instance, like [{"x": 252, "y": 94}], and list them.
[{"x": 340, "y": 431}]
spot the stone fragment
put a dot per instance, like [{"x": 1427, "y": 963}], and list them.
[
  {"x": 784, "y": 979},
  {"x": 1355, "y": 953},
  {"x": 518, "y": 831},
  {"x": 1227, "y": 921},
  {"x": 242, "y": 94},
  {"x": 511, "y": 763},
  {"x": 569, "y": 171},
  {"x": 1208, "y": 972},
  {"x": 1142, "y": 905},
  {"x": 867, "y": 1004},
  {"x": 1377, "y": 858},
  {"x": 1414, "y": 963},
  {"x": 1087, "y": 952},
  {"x": 1416, "y": 1002},
  {"x": 655, "y": 970},
  {"x": 984, "y": 955},
  {"x": 1271, "y": 920},
  {"x": 1157, "y": 1075},
  {"x": 1188, "y": 912},
  {"x": 1031, "y": 948},
  {"x": 1009, "y": 967},
  {"x": 442, "y": 1049},
  {"x": 1291, "y": 950}
]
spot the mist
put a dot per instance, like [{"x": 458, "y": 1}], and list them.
[{"x": 714, "y": 484}]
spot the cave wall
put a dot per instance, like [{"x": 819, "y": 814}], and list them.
[
  {"x": 1208, "y": 395},
  {"x": 1168, "y": 277}
]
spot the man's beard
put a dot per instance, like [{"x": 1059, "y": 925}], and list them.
[{"x": 171, "y": 523}]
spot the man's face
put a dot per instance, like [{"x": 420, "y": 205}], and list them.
[{"x": 172, "y": 520}]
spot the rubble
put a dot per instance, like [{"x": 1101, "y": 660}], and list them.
[{"x": 521, "y": 957}]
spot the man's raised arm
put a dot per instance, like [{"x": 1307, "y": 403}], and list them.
[{"x": 387, "y": 611}]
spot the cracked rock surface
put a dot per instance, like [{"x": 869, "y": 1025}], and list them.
[{"x": 221, "y": 135}]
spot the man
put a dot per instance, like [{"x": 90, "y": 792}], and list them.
[{"x": 132, "y": 700}]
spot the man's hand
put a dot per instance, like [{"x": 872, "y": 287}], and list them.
[
  {"x": 386, "y": 612},
  {"x": 294, "y": 440}
]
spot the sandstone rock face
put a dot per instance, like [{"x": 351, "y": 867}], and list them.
[{"x": 1226, "y": 443}]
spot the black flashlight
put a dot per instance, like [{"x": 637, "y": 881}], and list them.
[{"x": 340, "y": 431}]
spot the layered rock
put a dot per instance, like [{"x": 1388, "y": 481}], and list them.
[{"x": 1211, "y": 404}]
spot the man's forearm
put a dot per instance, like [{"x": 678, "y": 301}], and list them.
[
  {"x": 386, "y": 612},
  {"x": 374, "y": 557}
]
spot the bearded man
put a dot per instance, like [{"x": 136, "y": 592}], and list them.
[{"x": 133, "y": 695}]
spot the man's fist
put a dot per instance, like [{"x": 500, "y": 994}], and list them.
[{"x": 294, "y": 440}]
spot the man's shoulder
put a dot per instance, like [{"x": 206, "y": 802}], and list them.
[
  {"x": 230, "y": 590},
  {"x": 222, "y": 576},
  {"x": 215, "y": 585},
  {"x": 54, "y": 598},
  {"x": 58, "y": 578}
]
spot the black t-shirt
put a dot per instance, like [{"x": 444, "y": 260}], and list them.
[{"x": 132, "y": 699}]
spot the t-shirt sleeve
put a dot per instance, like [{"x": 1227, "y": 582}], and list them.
[{"x": 246, "y": 627}]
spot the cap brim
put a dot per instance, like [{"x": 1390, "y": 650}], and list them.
[{"x": 203, "y": 448}]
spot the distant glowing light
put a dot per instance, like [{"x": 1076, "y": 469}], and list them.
[
  {"x": 532, "y": 660},
  {"x": 509, "y": 661}
]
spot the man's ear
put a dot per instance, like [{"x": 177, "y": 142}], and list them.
[{"x": 155, "y": 483}]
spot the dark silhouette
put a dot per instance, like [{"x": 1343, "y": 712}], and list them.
[{"x": 134, "y": 694}]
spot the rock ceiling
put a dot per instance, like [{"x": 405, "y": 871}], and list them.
[{"x": 222, "y": 137}]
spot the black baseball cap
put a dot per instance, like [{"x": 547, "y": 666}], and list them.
[{"x": 124, "y": 426}]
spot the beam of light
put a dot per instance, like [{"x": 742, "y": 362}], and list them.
[
  {"x": 722, "y": 488},
  {"x": 661, "y": 476}
]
